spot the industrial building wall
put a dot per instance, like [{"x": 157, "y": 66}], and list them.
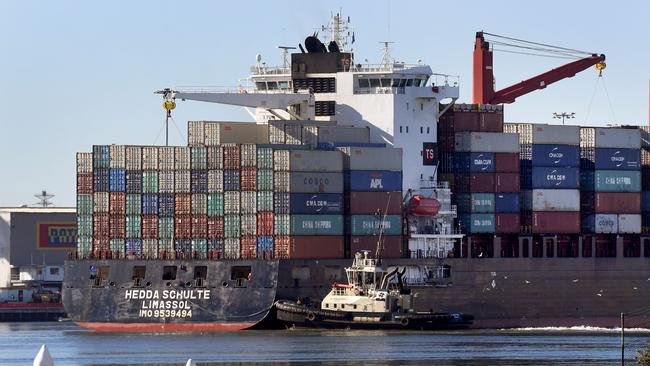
[
  {"x": 41, "y": 238},
  {"x": 5, "y": 271}
]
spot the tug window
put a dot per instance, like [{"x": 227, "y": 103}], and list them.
[{"x": 169, "y": 273}]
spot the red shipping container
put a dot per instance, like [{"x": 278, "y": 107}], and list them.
[
  {"x": 248, "y": 178},
  {"x": 117, "y": 225},
  {"x": 265, "y": 223},
  {"x": 474, "y": 182},
  {"x": 183, "y": 227},
  {"x": 248, "y": 247},
  {"x": 117, "y": 203},
  {"x": 490, "y": 122},
  {"x": 199, "y": 226},
  {"x": 215, "y": 228},
  {"x": 281, "y": 246},
  {"x": 231, "y": 159},
  {"x": 464, "y": 121},
  {"x": 507, "y": 223},
  {"x": 367, "y": 203},
  {"x": 556, "y": 222},
  {"x": 393, "y": 245},
  {"x": 149, "y": 227},
  {"x": 183, "y": 204},
  {"x": 617, "y": 202},
  {"x": 507, "y": 182},
  {"x": 101, "y": 247},
  {"x": 85, "y": 183},
  {"x": 506, "y": 162},
  {"x": 316, "y": 247},
  {"x": 101, "y": 225}
]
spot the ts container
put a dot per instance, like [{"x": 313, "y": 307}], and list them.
[{"x": 621, "y": 203}]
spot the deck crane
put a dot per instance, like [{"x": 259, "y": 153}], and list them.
[{"x": 483, "y": 85}]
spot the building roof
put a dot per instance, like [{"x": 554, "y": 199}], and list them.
[{"x": 38, "y": 209}]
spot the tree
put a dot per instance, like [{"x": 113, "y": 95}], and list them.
[{"x": 643, "y": 356}]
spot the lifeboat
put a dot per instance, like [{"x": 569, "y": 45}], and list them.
[{"x": 422, "y": 206}]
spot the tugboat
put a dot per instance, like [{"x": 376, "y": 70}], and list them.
[{"x": 374, "y": 298}]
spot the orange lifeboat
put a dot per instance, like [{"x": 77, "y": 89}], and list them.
[{"x": 422, "y": 206}]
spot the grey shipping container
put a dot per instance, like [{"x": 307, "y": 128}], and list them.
[
  {"x": 372, "y": 158},
  {"x": 217, "y": 133},
  {"x": 339, "y": 134},
  {"x": 556, "y": 134},
  {"x": 304, "y": 182},
  {"x": 166, "y": 157},
  {"x": 618, "y": 138},
  {"x": 556, "y": 200},
  {"x": 315, "y": 161},
  {"x": 487, "y": 142}
]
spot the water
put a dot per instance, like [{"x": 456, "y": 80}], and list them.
[{"x": 70, "y": 345}]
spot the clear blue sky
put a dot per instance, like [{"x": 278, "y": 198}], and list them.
[{"x": 78, "y": 73}]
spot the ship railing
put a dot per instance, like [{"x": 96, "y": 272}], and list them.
[
  {"x": 381, "y": 90},
  {"x": 444, "y": 80},
  {"x": 430, "y": 184},
  {"x": 270, "y": 70},
  {"x": 242, "y": 89}
]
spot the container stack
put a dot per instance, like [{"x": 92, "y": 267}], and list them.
[
  {"x": 645, "y": 178},
  {"x": 611, "y": 180},
  {"x": 478, "y": 184},
  {"x": 373, "y": 202}
]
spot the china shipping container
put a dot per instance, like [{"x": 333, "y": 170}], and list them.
[
  {"x": 475, "y": 202},
  {"x": 477, "y": 223},
  {"x": 392, "y": 245},
  {"x": 373, "y": 225},
  {"x": 316, "y": 247},
  {"x": 360, "y": 203},
  {"x": 316, "y": 225},
  {"x": 611, "y": 180}
]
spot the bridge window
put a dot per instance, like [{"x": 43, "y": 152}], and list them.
[
  {"x": 374, "y": 83},
  {"x": 427, "y": 130},
  {"x": 402, "y": 83},
  {"x": 409, "y": 82},
  {"x": 400, "y": 129},
  {"x": 387, "y": 83},
  {"x": 421, "y": 129},
  {"x": 364, "y": 83},
  {"x": 407, "y": 129}
]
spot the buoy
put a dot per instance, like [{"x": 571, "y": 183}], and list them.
[
  {"x": 190, "y": 362},
  {"x": 43, "y": 357}
]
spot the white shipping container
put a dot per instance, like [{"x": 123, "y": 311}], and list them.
[
  {"x": 248, "y": 202},
  {"x": 276, "y": 132},
  {"x": 150, "y": 248},
  {"x": 281, "y": 182},
  {"x": 487, "y": 142},
  {"x": 150, "y": 158},
  {"x": 556, "y": 134},
  {"x": 166, "y": 157},
  {"x": 341, "y": 134},
  {"x": 182, "y": 158},
  {"x": 199, "y": 204},
  {"x": 166, "y": 181},
  {"x": 182, "y": 181},
  {"x": 248, "y": 155},
  {"x": 84, "y": 162},
  {"x": 317, "y": 161},
  {"x": 248, "y": 225},
  {"x": 231, "y": 248},
  {"x": 372, "y": 158},
  {"x": 133, "y": 158},
  {"x": 117, "y": 156},
  {"x": 310, "y": 136},
  {"x": 629, "y": 224},
  {"x": 195, "y": 133},
  {"x": 100, "y": 202},
  {"x": 293, "y": 134},
  {"x": 198, "y": 157},
  {"x": 215, "y": 181},
  {"x": 281, "y": 160},
  {"x": 556, "y": 200},
  {"x": 215, "y": 157},
  {"x": 231, "y": 203},
  {"x": 618, "y": 138},
  {"x": 605, "y": 224}
]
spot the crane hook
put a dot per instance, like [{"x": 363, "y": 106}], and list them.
[{"x": 600, "y": 67}]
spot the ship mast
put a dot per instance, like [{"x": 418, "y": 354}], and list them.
[{"x": 340, "y": 31}]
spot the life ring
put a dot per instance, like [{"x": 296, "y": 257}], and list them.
[
  {"x": 404, "y": 322},
  {"x": 356, "y": 292},
  {"x": 311, "y": 316}
]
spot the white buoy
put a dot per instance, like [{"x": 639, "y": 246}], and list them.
[
  {"x": 43, "y": 357},
  {"x": 190, "y": 362}
]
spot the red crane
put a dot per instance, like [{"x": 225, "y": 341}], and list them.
[{"x": 483, "y": 87}]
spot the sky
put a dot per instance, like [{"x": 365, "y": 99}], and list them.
[{"x": 79, "y": 73}]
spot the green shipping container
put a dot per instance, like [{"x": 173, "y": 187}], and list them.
[
  {"x": 84, "y": 246},
  {"x": 215, "y": 204},
  {"x": 84, "y": 204},
  {"x": 265, "y": 158},
  {"x": 476, "y": 202},
  {"x": 265, "y": 180},
  {"x": 200, "y": 248},
  {"x": 85, "y": 226},
  {"x": 199, "y": 157},
  {"x": 133, "y": 227},
  {"x": 231, "y": 226},
  {"x": 264, "y": 201},
  {"x": 133, "y": 204},
  {"x": 281, "y": 224},
  {"x": 166, "y": 227},
  {"x": 117, "y": 245},
  {"x": 316, "y": 225},
  {"x": 372, "y": 225},
  {"x": 617, "y": 181},
  {"x": 477, "y": 223},
  {"x": 149, "y": 181}
]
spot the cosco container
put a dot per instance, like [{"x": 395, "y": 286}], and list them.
[
  {"x": 314, "y": 247},
  {"x": 629, "y": 223},
  {"x": 556, "y": 155},
  {"x": 487, "y": 142},
  {"x": 392, "y": 245},
  {"x": 556, "y": 134},
  {"x": 371, "y": 158},
  {"x": 506, "y": 203},
  {"x": 476, "y": 202},
  {"x": 555, "y": 178},
  {"x": 617, "y": 202},
  {"x": 373, "y": 181},
  {"x": 617, "y": 159},
  {"x": 316, "y": 225},
  {"x": 368, "y": 203},
  {"x": 555, "y": 222},
  {"x": 374, "y": 225},
  {"x": 507, "y": 223},
  {"x": 556, "y": 200},
  {"x": 304, "y": 182},
  {"x": 316, "y": 203},
  {"x": 600, "y": 224},
  {"x": 477, "y": 223}
]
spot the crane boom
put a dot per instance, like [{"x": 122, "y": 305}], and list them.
[{"x": 483, "y": 86}]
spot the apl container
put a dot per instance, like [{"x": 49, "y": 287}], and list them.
[
  {"x": 374, "y": 225},
  {"x": 556, "y": 155},
  {"x": 373, "y": 181},
  {"x": 555, "y": 178},
  {"x": 316, "y": 203},
  {"x": 316, "y": 225},
  {"x": 556, "y": 200},
  {"x": 617, "y": 159}
]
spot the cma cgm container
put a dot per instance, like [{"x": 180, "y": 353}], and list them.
[
  {"x": 316, "y": 203},
  {"x": 555, "y": 155},
  {"x": 617, "y": 159},
  {"x": 555, "y": 178},
  {"x": 474, "y": 162}
]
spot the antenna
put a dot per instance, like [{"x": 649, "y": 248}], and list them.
[
  {"x": 386, "y": 59},
  {"x": 340, "y": 31},
  {"x": 44, "y": 199},
  {"x": 285, "y": 55}
]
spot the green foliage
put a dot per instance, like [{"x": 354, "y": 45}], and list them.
[{"x": 643, "y": 356}]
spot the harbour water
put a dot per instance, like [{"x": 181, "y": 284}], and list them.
[{"x": 71, "y": 345}]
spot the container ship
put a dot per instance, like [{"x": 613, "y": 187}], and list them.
[{"x": 519, "y": 224}]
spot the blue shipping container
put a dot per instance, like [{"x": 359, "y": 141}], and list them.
[
  {"x": 264, "y": 246},
  {"x": 230, "y": 180},
  {"x": 100, "y": 156},
  {"x": 149, "y": 204},
  {"x": 556, "y": 178},
  {"x": 100, "y": 180},
  {"x": 506, "y": 202},
  {"x": 373, "y": 181},
  {"x": 645, "y": 201},
  {"x": 117, "y": 180},
  {"x": 166, "y": 205},
  {"x": 281, "y": 203},
  {"x": 199, "y": 181},
  {"x": 475, "y": 162},
  {"x": 316, "y": 203},
  {"x": 556, "y": 155},
  {"x": 133, "y": 247},
  {"x": 617, "y": 159}
]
